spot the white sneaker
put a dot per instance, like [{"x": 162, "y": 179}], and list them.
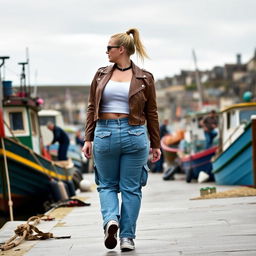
[
  {"x": 111, "y": 234},
  {"x": 126, "y": 244}
]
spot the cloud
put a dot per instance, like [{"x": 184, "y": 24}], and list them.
[{"x": 67, "y": 39}]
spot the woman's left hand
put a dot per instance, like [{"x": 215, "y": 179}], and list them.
[{"x": 156, "y": 153}]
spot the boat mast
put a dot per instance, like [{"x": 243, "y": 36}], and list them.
[
  {"x": 23, "y": 88},
  {"x": 28, "y": 72},
  {"x": 198, "y": 82},
  {"x": 7, "y": 179}
]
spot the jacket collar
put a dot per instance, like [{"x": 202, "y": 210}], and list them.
[{"x": 138, "y": 73}]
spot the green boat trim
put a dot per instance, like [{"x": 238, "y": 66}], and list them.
[{"x": 35, "y": 166}]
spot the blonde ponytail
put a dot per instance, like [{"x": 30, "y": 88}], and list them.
[{"x": 131, "y": 43}]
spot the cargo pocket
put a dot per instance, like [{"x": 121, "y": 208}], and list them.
[
  {"x": 138, "y": 139},
  {"x": 144, "y": 175},
  {"x": 102, "y": 141}
]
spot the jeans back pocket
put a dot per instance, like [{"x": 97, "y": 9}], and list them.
[
  {"x": 138, "y": 138},
  {"x": 102, "y": 141}
]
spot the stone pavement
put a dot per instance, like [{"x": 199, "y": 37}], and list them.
[{"x": 169, "y": 224}]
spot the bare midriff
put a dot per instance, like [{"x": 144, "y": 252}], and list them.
[{"x": 112, "y": 115}]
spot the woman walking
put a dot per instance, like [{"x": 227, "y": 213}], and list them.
[{"x": 122, "y": 99}]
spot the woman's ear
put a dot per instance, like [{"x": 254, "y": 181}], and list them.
[{"x": 121, "y": 49}]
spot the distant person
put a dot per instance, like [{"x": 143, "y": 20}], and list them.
[
  {"x": 79, "y": 139},
  {"x": 59, "y": 136},
  {"x": 164, "y": 128},
  {"x": 163, "y": 131},
  {"x": 209, "y": 124}
]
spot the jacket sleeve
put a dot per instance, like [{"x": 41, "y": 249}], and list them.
[
  {"x": 151, "y": 114},
  {"x": 90, "y": 123},
  {"x": 56, "y": 135}
]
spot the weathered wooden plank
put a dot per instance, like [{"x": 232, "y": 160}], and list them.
[{"x": 169, "y": 224}]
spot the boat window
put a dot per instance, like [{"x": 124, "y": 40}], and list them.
[
  {"x": 245, "y": 115},
  {"x": 16, "y": 121},
  {"x": 33, "y": 123},
  {"x": 231, "y": 120},
  {"x": 43, "y": 120},
  {"x": 228, "y": 120}
]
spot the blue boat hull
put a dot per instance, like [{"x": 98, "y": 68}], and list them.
[{"x": 235, "y": 165}]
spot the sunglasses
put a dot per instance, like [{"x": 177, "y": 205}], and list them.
[{"x": 109, "y": 47}]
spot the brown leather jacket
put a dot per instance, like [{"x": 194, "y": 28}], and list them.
[{"x": 142, "y": 102}]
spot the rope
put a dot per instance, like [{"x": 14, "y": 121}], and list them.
[{"x": 28, "y": 231}]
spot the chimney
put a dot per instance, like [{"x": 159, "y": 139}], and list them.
[{"x": 238, "y": 59}]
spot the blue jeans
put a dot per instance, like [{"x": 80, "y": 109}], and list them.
[
  {"x": 209, "y": 136},
  {"x": 62, "y": 151},
  {"x": 120, "y": 155}
]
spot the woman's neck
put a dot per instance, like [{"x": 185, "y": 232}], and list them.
[{"x": 124, "y": 63}]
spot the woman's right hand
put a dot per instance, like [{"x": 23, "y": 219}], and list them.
[{"x": 87, "y": 149}]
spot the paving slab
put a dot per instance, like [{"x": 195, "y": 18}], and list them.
[{"x": 169, "y": 224}]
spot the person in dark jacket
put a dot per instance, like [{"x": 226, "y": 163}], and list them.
[
  {"x": 59, "y": 136},
  {"x": 79, "y": 139},
  {"x": 164, "y": 128}
]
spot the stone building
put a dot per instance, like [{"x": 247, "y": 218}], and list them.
[{"x": 71, "y": 100}]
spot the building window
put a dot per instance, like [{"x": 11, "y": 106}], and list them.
[{"x": 245, "y": 115}]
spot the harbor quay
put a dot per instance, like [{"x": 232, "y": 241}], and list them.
[{"x": 170, "y": 223}]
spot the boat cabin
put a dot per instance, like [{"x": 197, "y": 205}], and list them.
[
  {"x": 233, "y": 121},
  {"x": 21, "y": 121}
]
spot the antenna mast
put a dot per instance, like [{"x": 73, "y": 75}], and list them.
[
  {"x": 198, "y": 82},
  {"x": 28, "y": 72},
  {"x": 23, "y": 88}
]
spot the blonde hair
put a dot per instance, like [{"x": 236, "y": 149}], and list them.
[{"x": 131, "y": 43}]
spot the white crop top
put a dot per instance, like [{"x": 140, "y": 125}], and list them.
[{"x": 115, "y": 97}]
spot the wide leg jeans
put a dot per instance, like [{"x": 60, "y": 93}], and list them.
[{"x": 120, "y": 155}]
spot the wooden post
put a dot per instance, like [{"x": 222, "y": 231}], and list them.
[{"x": 254, "y": 149}]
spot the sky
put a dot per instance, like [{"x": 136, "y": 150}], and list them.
[{"x": 67, "y": 39}]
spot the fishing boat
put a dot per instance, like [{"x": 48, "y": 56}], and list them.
[
  {"x": 28, "y": 178},
  {"x": 169, "y": 145},
  {"x": 235, "y": 163},
  {"x": 170, "y": 149},
  {"x": 192, "y": 155}
]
